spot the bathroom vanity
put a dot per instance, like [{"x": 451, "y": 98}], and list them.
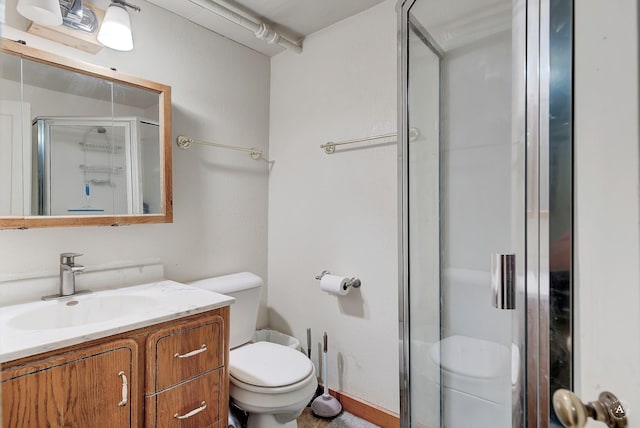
[{"x": 163, "y": 374}]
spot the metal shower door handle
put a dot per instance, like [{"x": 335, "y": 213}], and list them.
[{"x": 503, "y": 280}]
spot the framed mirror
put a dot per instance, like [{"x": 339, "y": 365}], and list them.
[{"x": 80, "y": 144}]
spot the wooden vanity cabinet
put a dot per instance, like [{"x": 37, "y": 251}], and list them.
[
  {"x": 176, "y": 375},
  {"x": 185, "y": 372},
  {"x": 89, "y": 387}
]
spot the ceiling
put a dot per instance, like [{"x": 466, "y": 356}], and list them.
[{"x": 295, "y": 19}]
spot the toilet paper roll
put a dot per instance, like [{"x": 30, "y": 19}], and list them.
[{"x": 334, "y": 284}]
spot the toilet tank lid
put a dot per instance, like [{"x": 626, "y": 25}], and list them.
[{"x": 229, "y": 283}]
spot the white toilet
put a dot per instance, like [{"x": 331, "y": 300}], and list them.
[{"x": 272, "y": 382}]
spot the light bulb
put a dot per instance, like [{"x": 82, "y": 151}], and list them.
[
  {"x": 44, "y": 12},
  {"x": 115, "y": 32}
]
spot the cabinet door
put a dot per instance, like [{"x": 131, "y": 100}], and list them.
[
  {"x": 83, "y": 388},
  {"x": 193, "y": 404},
  {"x": 178, "y": 353}
]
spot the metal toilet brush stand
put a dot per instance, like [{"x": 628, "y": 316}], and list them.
[{"x": 325, "y": 406}]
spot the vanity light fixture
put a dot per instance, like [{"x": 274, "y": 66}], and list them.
[
  {"x": 53, "y": 13},
  {"x": 115, "y": 32},
  {"x": 45, "y": 12}
]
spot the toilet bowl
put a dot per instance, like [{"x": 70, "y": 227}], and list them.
[
  {"x": 272, "y": 382},
  {"x": 478, "y": 368}
]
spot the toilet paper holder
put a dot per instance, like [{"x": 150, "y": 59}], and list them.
[{"x": 353, "y": 282}]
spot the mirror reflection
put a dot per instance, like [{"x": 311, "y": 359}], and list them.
[
  {"x": 74, "y": 143},
  {"x": 14, "y": 134}
]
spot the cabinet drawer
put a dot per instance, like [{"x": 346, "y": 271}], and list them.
[
  {"x": 178, "y": 353},
  {"x": 193, "y": 404}
]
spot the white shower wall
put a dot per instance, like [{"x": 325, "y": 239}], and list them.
[
  {"x": 475, "y": 221},
  {"x": 338, "y": 212},
  {"x": 475, "y": 174}
]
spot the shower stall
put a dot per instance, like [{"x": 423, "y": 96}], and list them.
[{"x": 486, "y": 190}]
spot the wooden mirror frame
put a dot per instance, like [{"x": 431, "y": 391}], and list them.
[{"x": 164, "y": 92}]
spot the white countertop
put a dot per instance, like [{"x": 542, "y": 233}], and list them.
[{"x": 169, "y": 300}]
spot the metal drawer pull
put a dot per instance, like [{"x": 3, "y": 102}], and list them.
[
  {"x": 192, "y": 353},
  {"x": 124, "y": 389},
  {"x": 203, "y": 406}
]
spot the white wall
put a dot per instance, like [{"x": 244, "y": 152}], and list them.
[
  {"x": 338, "y": 212},
  {"x": 220, "y": 92},
  {"x": 607, "y": 202}
]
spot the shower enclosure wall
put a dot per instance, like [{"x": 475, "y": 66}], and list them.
[
  {"x": 94, "y": 165},
  {"x": 475, "y": 188}
]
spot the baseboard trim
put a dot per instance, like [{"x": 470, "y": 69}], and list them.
[{"x": 367, "y": 411}]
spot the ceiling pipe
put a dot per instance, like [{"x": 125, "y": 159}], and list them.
[{"x": 261, "y": 30}]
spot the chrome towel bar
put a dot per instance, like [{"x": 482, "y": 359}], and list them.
[
  {"x": 186, "y": 142},
  {"x": 330, "y": 147}
]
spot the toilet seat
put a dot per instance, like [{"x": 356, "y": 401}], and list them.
[
  {"x": 266, "y": 365},
  {"x": 274, "y": 390}
]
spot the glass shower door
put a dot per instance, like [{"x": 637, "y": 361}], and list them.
[
  {"x": 424, "y": 266},
  {"x": 463, "y": 197}
]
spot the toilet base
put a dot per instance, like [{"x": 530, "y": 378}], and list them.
[{"x": 265, "y": 420}]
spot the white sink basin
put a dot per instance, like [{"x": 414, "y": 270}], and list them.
[
  {"x": 36, "y": 327},
  {"x": 84, "y": 310}
]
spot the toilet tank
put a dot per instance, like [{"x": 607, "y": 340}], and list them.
[{"x": 245, "y": 287}]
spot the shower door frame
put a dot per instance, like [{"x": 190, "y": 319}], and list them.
[{"x": 530, "y": 94}]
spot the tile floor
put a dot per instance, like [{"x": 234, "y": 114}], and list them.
[
  {"x": 307, "y": 420},
  {"x": 344, "y": 420}
]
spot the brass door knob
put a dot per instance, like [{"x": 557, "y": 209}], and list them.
[{"x": 573, "y": 413}]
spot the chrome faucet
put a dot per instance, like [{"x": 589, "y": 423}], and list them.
[{"x": 68, "y": 271}]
